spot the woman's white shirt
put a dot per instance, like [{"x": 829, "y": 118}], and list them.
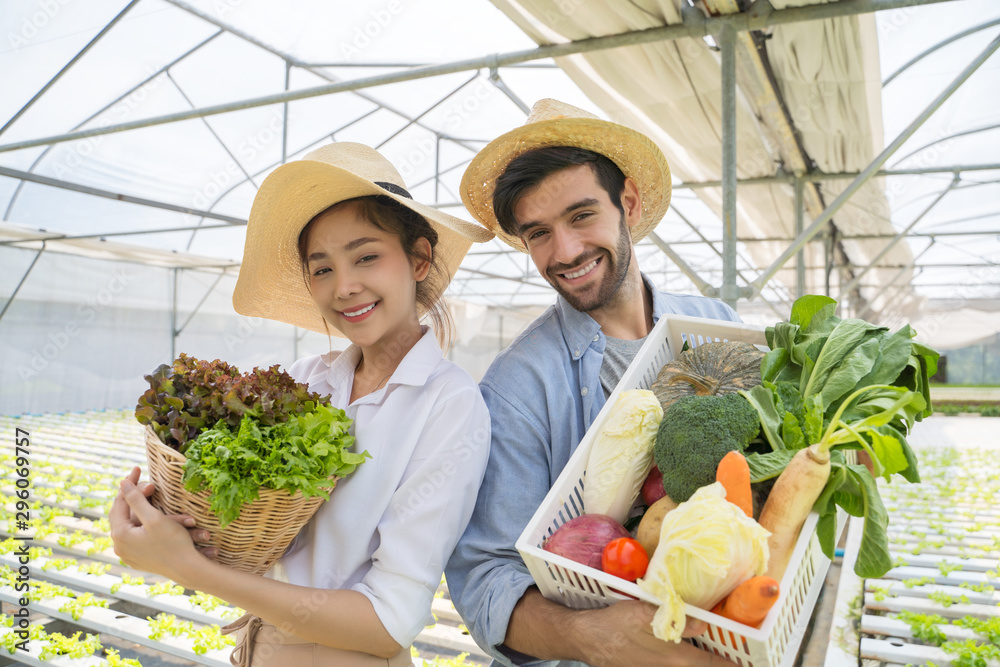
[{"x": 389, "y": 528}]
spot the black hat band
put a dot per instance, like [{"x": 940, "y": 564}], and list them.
[{"x": 394, "y": 189}]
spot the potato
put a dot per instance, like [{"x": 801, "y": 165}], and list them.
[{"x": 648, "y": 532}]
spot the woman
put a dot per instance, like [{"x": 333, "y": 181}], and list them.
[{"x": 335, "y": 243}]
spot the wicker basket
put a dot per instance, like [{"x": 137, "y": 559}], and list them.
[{"x": 252, "y": 542}]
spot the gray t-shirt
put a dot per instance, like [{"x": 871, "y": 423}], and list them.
[{"x": 618, "y": 354}]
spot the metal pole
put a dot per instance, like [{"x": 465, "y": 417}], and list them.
[
  {"x": 815, "y": 176},
  {"x": 45, "y": 180},
  {"x": 331, "y": 135},
  {"x": 711, "y": 244},
  {"x": 66, "y": 67},
  {"x": 779, "y": 177},
  {"x": 97, "y": 192},
  {"x": 679, "y": 262},
  {"x": 437, "y": 169},
  {"x": 524, "y": 280},
  {"x": 887, "y": 313},
  {"x": 17, "y": 192},
  {"x": 502, "y": 86},
  {"x": 173, "y": 318},
  {"x": 892, "y": 244},
  {"x": 691, "y": 27},
  {"x": 21, "y": 282},
  {"x": 727, "y": 43},
  {"x": 426, "y": 111},
  {"x": 391, "y": 65},
  {"x": 819, "y": 176},
  {"x": 212, "y": 131},
  {"x": 101, "y": 235},
  {"x": 941, "y": 44},
  {"x": 309, "y": 67},
  {"x": 461, "y": 164},
  {"x": 948, "y": 138},
  {"x": 200, "y": 303},
  {"x": 868, "y": 309},
  {"x": 800, "y": 258},
  {"x": 284, "y": 115},
  {"x": 986, "y": 263},
  {"x": 870, "y": 170},
  {"x": 702, "y": 240},
  {"x": 828, "y": 259}
]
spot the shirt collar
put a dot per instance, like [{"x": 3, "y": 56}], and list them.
[
  {"x": 660, "y": 306},
  {"x": 414, "y": 369},
  {"x": 580, "y": 329}
]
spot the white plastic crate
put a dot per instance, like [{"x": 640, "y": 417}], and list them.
[{"x": 776, "y": 642}]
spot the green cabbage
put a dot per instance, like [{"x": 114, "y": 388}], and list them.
[
  {"x": 708, "y": 547},
  {"x": 622, "y": 454}
]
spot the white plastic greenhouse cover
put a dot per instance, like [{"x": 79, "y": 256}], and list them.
[{"x": 84, "y": 326}]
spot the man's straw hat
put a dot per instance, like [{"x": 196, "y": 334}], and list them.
[
  {"x": 271, "y": 283},
  {"x": 554, "y": 123}
]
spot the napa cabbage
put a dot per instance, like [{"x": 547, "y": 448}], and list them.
[
  {"x": 708, "y": 546},
  {"x": 622, "y": 454}
]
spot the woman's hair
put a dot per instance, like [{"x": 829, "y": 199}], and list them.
[
  {"x": 407, "y": 225},
  {"x": 531, "y": 168}
]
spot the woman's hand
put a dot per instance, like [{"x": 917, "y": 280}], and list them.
[{"x": 147, "y": 539}]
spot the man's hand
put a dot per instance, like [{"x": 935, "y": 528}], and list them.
[
  {"x": 615, "y": 636},
  {"x": 622, "y": 636}
]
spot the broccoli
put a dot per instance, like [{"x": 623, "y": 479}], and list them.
[{"x": 696, "y": 432}]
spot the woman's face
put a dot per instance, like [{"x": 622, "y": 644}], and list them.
[{"x": 361, "y": 278}]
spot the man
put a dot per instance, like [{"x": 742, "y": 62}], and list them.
[{"x": 576, "y": 193}]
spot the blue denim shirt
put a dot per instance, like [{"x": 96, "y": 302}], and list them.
[{"x": 542, "y": 392}]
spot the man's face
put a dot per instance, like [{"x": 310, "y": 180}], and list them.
[{"x": 576, "y": 236}]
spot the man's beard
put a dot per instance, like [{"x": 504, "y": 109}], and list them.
[{"x": 614, "y": 277}]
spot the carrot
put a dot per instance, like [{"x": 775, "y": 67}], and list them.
[
  {"x": 795, "y": 492},
  {"x": 750, "y": 601},
  {"x": 734, "y": 474}
]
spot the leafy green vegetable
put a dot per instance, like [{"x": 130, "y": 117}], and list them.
[
  {"x": 769, "y": 465},
  {"x": 304, "y": 454},
  {"x": 847, "y": 384},
  {"x": 59, "y": 645},
  {"x": 989, "y": 628},
  {"x": 970, "y": 653},
  {"x": 191, "y": 396},
  {"x": 845, "y": 357},
  {"x": 925, "y": 627}
]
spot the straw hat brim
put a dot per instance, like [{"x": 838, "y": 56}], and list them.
[
  {"x": 635, "y": 154},
  {"x": 271, "y": 283}
]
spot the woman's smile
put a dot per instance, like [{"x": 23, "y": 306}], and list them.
[{"x": 357, "y": 314}]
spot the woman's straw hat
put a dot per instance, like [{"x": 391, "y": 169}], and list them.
[
  {"x": 554, "y": 123},
  {"x": 271, "y": 284}
]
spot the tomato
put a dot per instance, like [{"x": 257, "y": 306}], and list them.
[{"x": 624, "y": 557}]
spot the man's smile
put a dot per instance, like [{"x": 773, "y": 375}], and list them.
[{"x": 582, "y": 272}]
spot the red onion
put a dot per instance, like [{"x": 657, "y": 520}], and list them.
[
  {"x": 652, "y": 488},
  {"x": 583, "y": 539}
]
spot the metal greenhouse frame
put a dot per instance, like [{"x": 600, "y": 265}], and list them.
[{"x": 725, "y": 29}]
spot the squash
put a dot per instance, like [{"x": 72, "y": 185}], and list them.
[{"x": 708, "y": 370}]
